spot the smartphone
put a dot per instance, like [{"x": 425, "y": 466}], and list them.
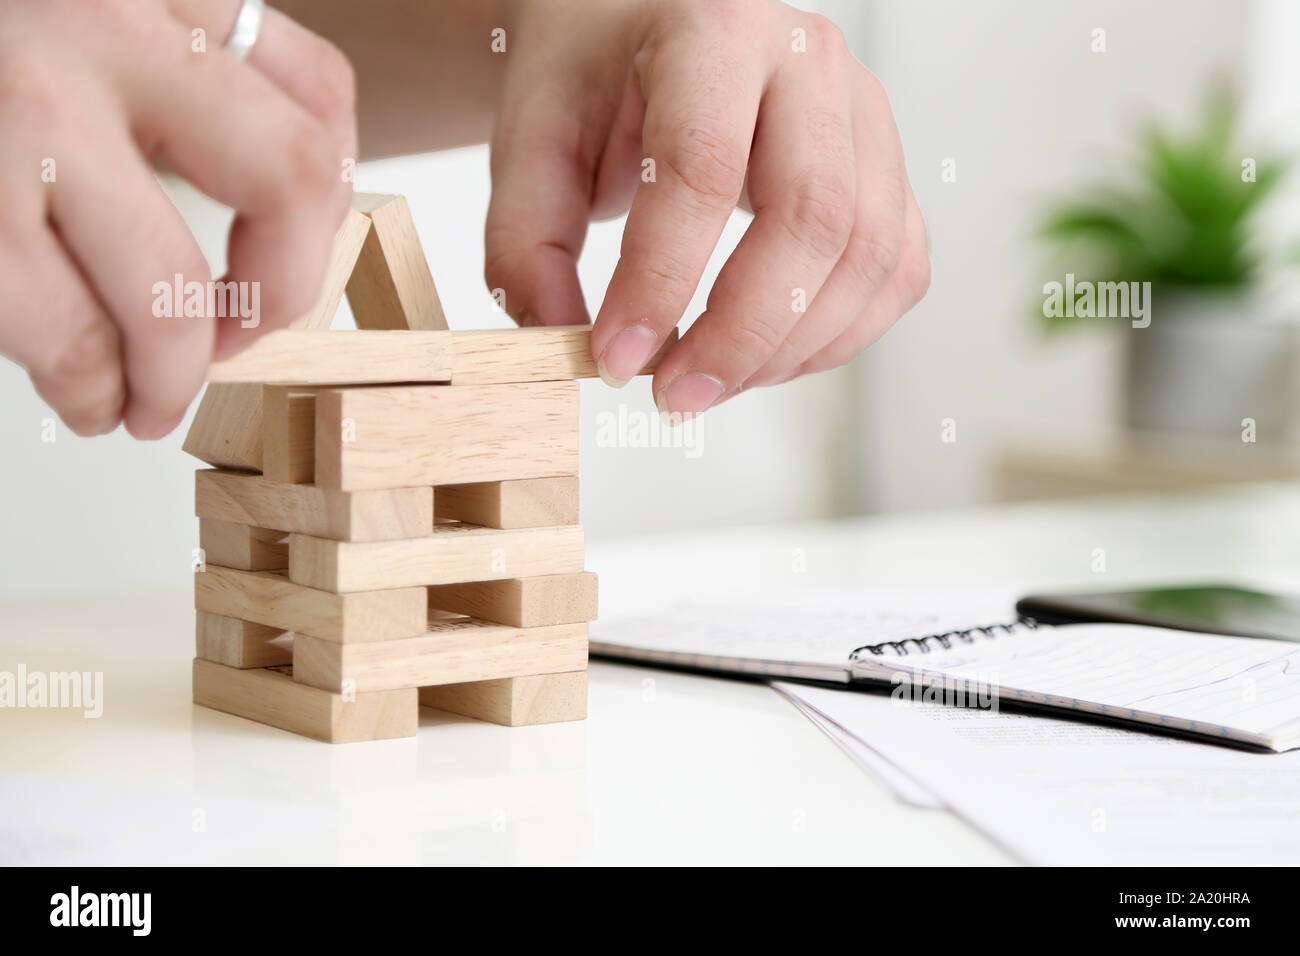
[{"x": 1214, "y": 608}]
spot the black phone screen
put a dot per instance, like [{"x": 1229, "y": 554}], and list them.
[{"x": 1218, "y": 609}]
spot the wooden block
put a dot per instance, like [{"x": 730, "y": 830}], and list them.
[
  {"x": 339, "y": 357},
  {"x": 524, "y": 503},
  {"x": 452, "y": 652},
  {"x": 270, "y": 598},
  {"x": 522, "y": 602},
  {"x": 479, "y": 357},
  {"x": 391, "y": 286},
  {"x": 535, "y": 354},
  {"x": 398, "y": 436},
  {"x": 236, "y": 643},
  {"x": 378, "y": 515},
  {"x": 288, "y": 434},
  {"x": 227, "y": 427},
  {"x": 515, "y": 701},
  {"x": 453, "y": 553},
  {"x": 243, "y": 546},
  {"x": 271, "y": 696},
  {"x": 349, "y": 244}
]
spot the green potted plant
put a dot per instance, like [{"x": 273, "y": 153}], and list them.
[{"x": 1175, "y": 253}]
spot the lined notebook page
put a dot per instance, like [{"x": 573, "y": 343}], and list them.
[
  {"x": 1239, "y": 687},
  {"x": 795, "y": 638}
]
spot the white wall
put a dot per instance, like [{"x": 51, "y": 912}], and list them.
[
  {"x": 1271, "y": 83},
  {"x": 1011, "y": 91}
]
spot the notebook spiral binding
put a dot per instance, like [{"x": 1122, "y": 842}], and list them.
[{"x": 945, "y": 640}]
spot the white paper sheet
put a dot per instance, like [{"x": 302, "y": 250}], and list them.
[
  {"x": 1056, "y": 791},
  {"x": 899, "y": 784}
]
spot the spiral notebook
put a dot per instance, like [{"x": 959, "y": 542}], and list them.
[{"x": 1244, "y": 691}]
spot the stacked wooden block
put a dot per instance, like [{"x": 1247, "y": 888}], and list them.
[{"x": 393, "y": 519}]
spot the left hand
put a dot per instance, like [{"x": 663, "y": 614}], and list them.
[{"x": 730, "y": 108}]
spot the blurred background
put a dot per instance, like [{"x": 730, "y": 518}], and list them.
[{"x": 1028, "y": 133}]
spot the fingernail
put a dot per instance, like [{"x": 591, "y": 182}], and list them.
[
  {"x": 690, "y": 394},
  {"x": 675, "y": 419},
  {"x": 626, "y": 355}
]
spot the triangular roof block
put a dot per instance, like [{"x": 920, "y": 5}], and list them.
[
  {"x": 401, "y": 336},
  {"x": 378, "y": 260}
]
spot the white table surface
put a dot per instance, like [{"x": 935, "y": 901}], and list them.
[{"x": 668, "y": 768}]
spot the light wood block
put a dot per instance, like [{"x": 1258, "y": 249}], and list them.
[
  {"x": 349, "y": 245},
  {"x": 288, "y": 434},
  {"x": 525, "y": 503},
  {"x": 452, "y": 554},
  {"x": 515, "y": 701},
  {"x": 377, "y": 515},
  {"x": 270, "y": 598},
  {"x": 271, "y": 696},
  {"x": 522, "y": 602},
  {"x": 391, "y": 286},
  {"x": 398, "y": 436},
  {"x": 236, "y": 643},
  {"x": 371, "y": 356},
  {"x": 325, "y": 357},
  {"x": 452, "y": 652},
  {"x": 227, "y": 426},
  {"x": 243, "y": 546},
  {"x": 535, "y": 354}
]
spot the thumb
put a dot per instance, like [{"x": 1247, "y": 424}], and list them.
[{"x": 541, "y": 203}]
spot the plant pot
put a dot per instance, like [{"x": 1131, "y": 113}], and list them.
[{"x": 1208, "y": 361}]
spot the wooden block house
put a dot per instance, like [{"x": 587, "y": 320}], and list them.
[{"x": 391, "y": 519}]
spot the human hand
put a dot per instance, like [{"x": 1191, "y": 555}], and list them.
[
  {"x": 723, "y": 104},
  {"x": 90, "y": 94}
]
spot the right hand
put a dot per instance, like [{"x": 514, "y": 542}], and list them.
[{"x": 101, "y": 89}]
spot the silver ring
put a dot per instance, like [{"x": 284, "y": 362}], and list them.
[{"x": 247, "y": 26}]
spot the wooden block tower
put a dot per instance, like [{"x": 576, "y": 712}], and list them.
[{"x": 392, "y": 519}]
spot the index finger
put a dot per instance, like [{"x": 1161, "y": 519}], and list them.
[
  {"x": 701, "y": 106},
  {"x": 225, "y": 126}
]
